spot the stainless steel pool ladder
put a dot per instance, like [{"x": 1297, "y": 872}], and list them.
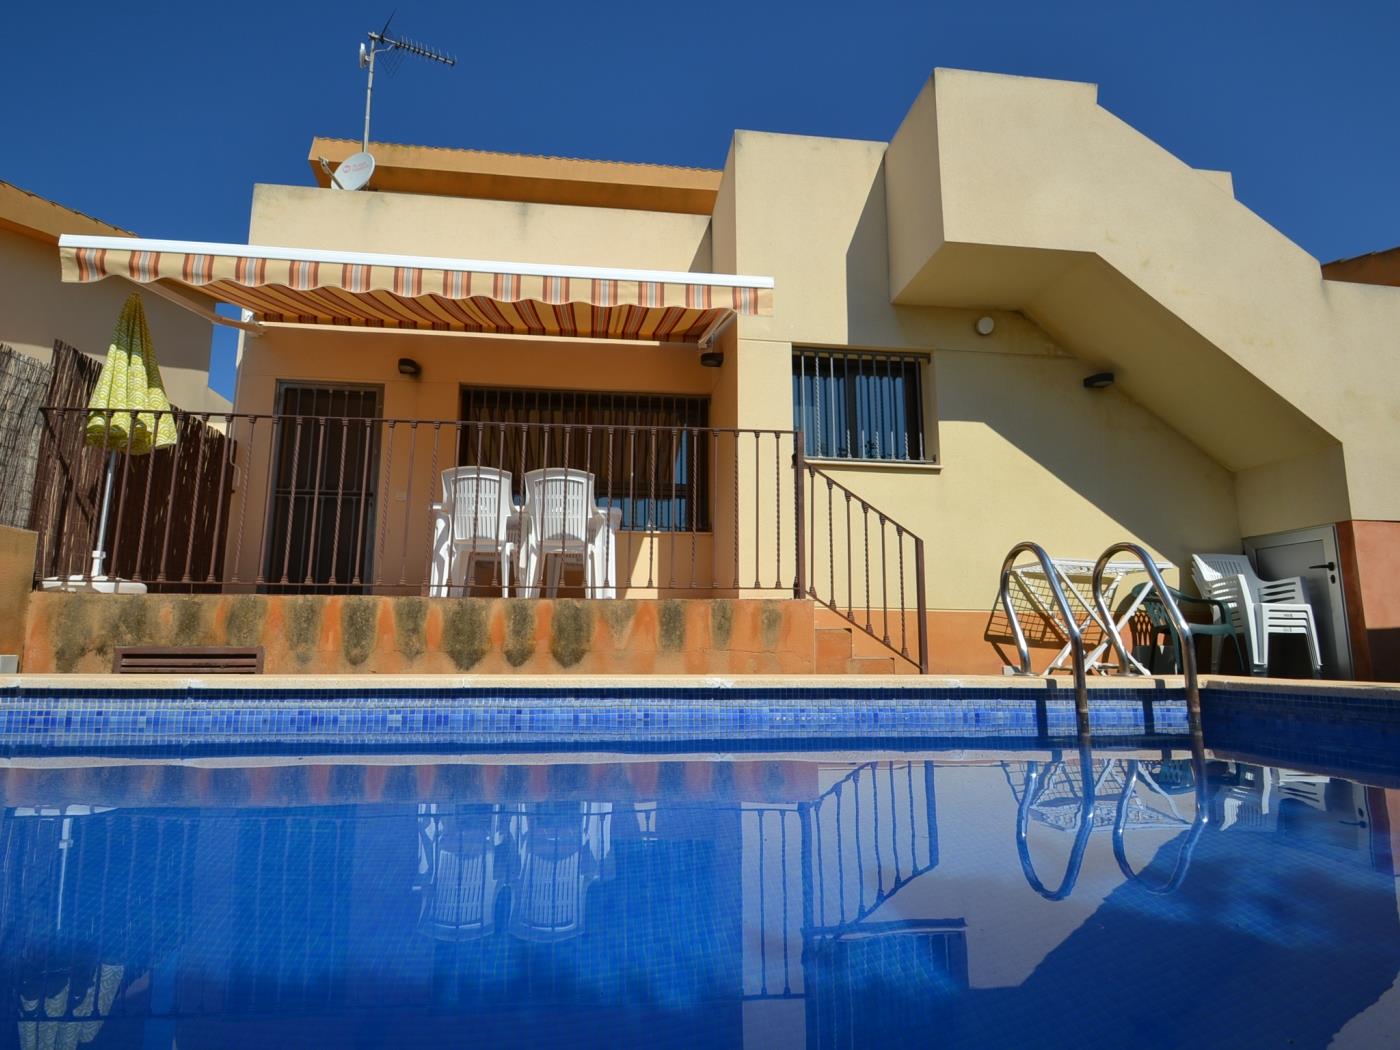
[
  {"x": 1076, "y": 647},
  {"x": 1182, "y": 626},
  {"x": 1104, "y": 615}
]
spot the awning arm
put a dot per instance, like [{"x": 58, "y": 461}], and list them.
[
  {"x": 718, "y": 325},
  {"x": 253, "y": 328}
]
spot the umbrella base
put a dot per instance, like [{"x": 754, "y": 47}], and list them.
[{"x": 92, "y": 585}]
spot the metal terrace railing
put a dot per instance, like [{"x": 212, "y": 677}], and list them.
[
  {"x": 338, "y": 498},
  {"x": 352, "y": 503}
]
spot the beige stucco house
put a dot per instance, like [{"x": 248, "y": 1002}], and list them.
[
  {"x": 36, "y": 308},
  {"x": 926, "y": 311}
]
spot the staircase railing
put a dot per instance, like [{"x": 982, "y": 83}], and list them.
[{"x": 863, "y": 565}]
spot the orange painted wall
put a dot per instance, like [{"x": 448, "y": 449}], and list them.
[{"x": 1370, "y": 553}]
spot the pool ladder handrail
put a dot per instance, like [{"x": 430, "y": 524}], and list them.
[
  {"x": 1081, "y": 684},
  {"x": 1179, "y": 622}
]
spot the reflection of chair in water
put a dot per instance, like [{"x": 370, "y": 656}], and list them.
[
  {"x": 65, "y": 1008},
  {"x": 563, "y": 850},
  {"x": 457, "y": 860}
]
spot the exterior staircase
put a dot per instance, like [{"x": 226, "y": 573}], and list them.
[{"x": 843, "y": 649}]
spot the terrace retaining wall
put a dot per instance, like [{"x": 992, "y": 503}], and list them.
[{"x": 353, "y": 634}]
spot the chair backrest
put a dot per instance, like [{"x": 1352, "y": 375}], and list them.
[
  {"x": 1216, "y": 575},
  {"x": 1211, "y": 568},
  {"x": 560, "y": 502},
  {"x": 478, "y": 502}
]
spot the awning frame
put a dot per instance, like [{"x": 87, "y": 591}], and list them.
[{"x": 731, "y": 283}]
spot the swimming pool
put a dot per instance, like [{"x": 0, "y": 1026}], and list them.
[{"x": 974, "y": 895}]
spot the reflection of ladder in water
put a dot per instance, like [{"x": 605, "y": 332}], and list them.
[{"x": 1057, "y": 794}]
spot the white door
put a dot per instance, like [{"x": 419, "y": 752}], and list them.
[{"x": 1311, "y": 554}]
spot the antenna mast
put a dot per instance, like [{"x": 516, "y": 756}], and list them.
[{"x": 380, "y": 43}]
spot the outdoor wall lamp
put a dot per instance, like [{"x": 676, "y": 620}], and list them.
[
  {"x": 712, "y": 358},
  {"x": 409, "y": 367},
  {"x": 1098, "y": 381}
]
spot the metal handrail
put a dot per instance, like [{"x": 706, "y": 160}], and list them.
[
  {"x": 1179, "y": 623},
  {"x": 1081, "y": 685}
]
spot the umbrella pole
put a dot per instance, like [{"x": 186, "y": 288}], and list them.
[{"x": 99, "y": 555}]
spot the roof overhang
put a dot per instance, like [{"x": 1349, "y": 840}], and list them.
[
  {"x": 515, "y": 177},
  {"x": 309, "y": 286}
]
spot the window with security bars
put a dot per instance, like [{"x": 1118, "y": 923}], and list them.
[
  {"x": 649, "y": 454},
  {"x": 859, "y": 405}
]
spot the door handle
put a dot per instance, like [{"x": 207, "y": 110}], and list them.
[{"x": 1330, "y": 566}]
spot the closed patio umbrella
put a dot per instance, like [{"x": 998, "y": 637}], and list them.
[{"x": 130, "y": 411}]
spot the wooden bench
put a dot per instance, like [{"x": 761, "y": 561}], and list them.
[{"x": 212, "y": 659}]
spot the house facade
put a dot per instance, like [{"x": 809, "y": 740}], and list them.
[
  {"x": 888, "y": 363},
  {"x": 37, "y": 308}
]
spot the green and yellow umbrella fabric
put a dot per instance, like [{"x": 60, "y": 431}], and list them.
[{"x": 130, "y": 411}]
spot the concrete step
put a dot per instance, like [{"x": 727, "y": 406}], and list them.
[
  {"x": 862, "y": 645},
  {"x": 833, "y": 650},
  {"x": 871, "y": 665}
]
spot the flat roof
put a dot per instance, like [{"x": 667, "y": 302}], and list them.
[
  {"x": 31, "y": 215},
  {"x": 1381, "y": 267},
  {"x": 481, "y": 174}
]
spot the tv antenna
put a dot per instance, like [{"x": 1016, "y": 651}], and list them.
[{"x": 381, "y": 43}]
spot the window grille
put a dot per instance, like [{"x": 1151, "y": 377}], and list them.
[
  {"x": 859, "y": 405},
  {"x": 649, "y": 454}
]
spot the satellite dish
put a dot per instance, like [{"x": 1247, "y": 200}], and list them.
[{"x": 354, "y": 171}]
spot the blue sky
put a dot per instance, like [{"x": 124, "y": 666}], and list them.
[{"x": 160, "y": 117}]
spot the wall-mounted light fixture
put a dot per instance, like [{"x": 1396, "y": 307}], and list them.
[
  {"x": 409, "y": 367},
  {"x": 986, "y": 325},
  {"x": 1098, "y": 381},
  {"x": 712, "y": 358}
]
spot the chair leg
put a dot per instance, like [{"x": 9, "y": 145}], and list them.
[{"x": 1215, "y": 647}]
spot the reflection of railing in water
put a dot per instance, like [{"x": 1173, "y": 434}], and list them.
[
  {"x": 1032, "y": 795},
  {"x": 826, "y": 866},
  {"x": 74, "y": 921}
]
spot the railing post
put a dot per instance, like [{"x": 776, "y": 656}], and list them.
[
  {"x": 799, "y": 471},
  {"x": 921, "y": 599}
]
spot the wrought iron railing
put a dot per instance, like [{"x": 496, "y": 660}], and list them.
[
  {"x": 353, "y": 504},
  {"x": 865, "y": 566}
]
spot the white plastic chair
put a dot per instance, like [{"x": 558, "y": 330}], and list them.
[
  {"x": 561, "y": 520},
  {"x": 1258, "y": 608},
  {"x": 476, "y": 510}
]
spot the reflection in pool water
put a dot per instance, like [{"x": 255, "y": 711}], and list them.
[{"x": 1091, "y": 898}]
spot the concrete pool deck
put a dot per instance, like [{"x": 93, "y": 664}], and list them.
[{"x": 905, "y": 683}]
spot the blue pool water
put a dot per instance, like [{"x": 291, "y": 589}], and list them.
[{"x": 1023, "y": 895}]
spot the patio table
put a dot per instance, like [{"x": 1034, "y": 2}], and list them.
[{"x": 1070, "y": 570}]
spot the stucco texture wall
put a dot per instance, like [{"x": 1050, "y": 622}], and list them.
[
  {"x": 310, "y": 634},
  {"x": 1024, "y": 450},
  {"x": 457, "y": 228},
  {"x": 36, "y": 308},
  {"x": 1027, "y": 193}
]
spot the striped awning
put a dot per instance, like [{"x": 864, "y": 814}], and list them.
[{"x": 311, "y": 286}]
